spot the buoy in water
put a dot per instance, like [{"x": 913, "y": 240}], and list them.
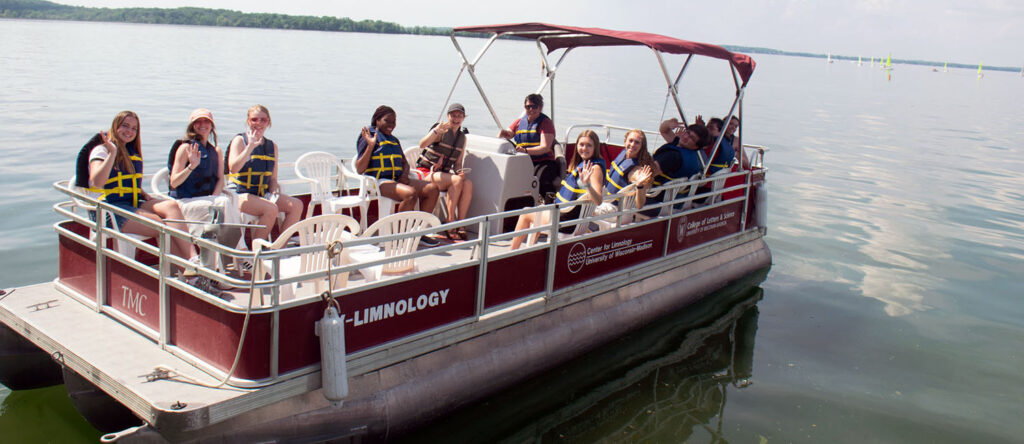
[{"x": 331, "y": 330}]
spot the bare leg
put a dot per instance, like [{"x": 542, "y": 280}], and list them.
[
  {"x": 525, "y": 221},
  {"x": 264, "y": 209},
  {"x": 443, "y": 181},
  {"x": 292, "y": 209},
  {"x": 427, "y": 194},
  {"x": 169, "y": 209},
  {"x": 465, "y": 195},
  {"x": 404, "y": 194}
]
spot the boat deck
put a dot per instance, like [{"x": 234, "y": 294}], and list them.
[
  {"x": 80, "y": 339},
  {"x": 126, "y": 364}
]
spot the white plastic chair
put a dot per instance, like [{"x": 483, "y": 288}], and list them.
[
  {"x": 319, "y": 169},
  {"x": 586, "y": 210},
  {"x": 404, "y": 222},
  {"x": 159, "y": 184},
  {"x": 319, "y": 230},
  {"x": 125, "y": 248},
  {"x": 674, "y": 188},
  {"x": 385, "y": 205},
  {"x": 718, "y": 184},
  {"x": 626, "y": 202},
  {"x": 441, "y": 209}
]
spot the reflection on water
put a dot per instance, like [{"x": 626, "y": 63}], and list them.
[
  {"x": 42, "y": 415},
  {"x": 665, "y": 383}
]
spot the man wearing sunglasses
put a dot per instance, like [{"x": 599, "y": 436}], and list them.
[{"x": 534, "y": 134}]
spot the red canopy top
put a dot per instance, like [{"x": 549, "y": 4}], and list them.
[{"x": 558, "y": 37}]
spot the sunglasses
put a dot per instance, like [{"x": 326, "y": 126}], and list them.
[{"x": 531, "y": 106}]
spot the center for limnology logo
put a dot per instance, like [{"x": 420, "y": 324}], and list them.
[{"x": 577, "y": 257}]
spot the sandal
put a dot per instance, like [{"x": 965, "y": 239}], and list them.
[{"x": 460, "y": 234}]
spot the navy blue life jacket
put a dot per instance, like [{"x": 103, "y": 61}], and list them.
[
  {"x": 387, "y": 160},
  {"x": 124, "y": 187},
  {"x": 528, "y": 136},
  {"x": 617, "y": 176},
  {"x": 121, "y": 186},
  {"x": 723, "y": 157},
  {"x": 254, "y": 176},
  {"x": 572, "y": 189},
  {"x": 202, "y": 180},
  {"x": 692, "y": 162}
]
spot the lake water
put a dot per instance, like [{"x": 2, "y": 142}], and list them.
[{"x": 893, "y": 311}]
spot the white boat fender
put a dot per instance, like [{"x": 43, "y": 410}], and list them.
[
  {"x": 761, "y": 208},
  {"x": 331, "y": 330}
]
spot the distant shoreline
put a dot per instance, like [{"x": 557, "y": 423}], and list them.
[{"x": 45, "y": 10}]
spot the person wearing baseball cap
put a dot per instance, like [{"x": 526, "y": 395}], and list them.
[
  {"x": 196, "y": 178},
  {"x": 440, "y": 162},
  {"x": 195, "y": 161}
]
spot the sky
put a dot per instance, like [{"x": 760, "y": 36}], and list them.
[{"x": 955, "y": 31}]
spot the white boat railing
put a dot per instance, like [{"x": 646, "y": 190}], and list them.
[{"x": 485, "y": 248}]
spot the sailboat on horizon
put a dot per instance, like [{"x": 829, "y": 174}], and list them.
[
  {"x": 980, "y": 74},
  {"x": 888, "y": 63},
  {"x": 830, "y": 56}
]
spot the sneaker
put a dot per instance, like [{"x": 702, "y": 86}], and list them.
[
  {"x": 429, "y": 241},
  {"x": 192, "y": 269}
]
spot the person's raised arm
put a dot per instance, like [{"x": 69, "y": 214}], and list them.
[
  {"x": 363, "y": 159},
  {"x": 668, "y": 129},
  {"x": 642, "y": 178},
  {"x": 594, "y": 178},
  {"x": 434, "y": 135},
  {"x": 239, "y": 151},
  {"x": 99, "y": 170},
  {"x": 186, "y": 160}
]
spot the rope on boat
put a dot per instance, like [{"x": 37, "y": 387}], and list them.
[
  {"x": 334, "y": 250},
  {"x": 241, "y": 340}
]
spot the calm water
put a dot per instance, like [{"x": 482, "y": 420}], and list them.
[{"x": 893, "y": 310}]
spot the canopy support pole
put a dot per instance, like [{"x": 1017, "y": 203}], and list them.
[
  {"x": 725, "y": 122},
  {"x": 471, "y": 67},
  {"x": 672, "y": 91},
  {"x": 549, "y": 76}
]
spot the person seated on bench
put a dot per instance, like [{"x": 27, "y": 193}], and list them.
[
  {"x": 115, "y": 171},
  {"x": 197, "y": 172},
  {"x": 586, "y": 178},
  {"x": 380, "y": 156},
  {"x": 725, "y": 155},
  {"x": 440, "y": 162},
  {"x": 534, "y": 134},
  {"x": 730, "y": 135},
  {"x": 631, "y": 166},
  {"x": 252, "y": 171},
  {"x": 680, "y": 158}
]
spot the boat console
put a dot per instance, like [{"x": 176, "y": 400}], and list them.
[{"x": 503, "y": 180}]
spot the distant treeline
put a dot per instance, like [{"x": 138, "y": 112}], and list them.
[{"x": 44, "y": 10}]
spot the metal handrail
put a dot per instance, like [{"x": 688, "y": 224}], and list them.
[{"x": 273, "y": 284}]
